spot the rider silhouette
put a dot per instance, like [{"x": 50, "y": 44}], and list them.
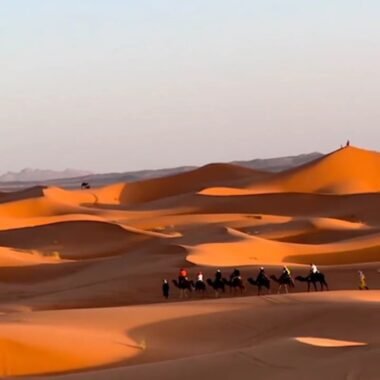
[
  {"x": 165, "y": 288},
  {"x": 287, "y": 275},
  {"x": 235, "y": 275},
  {"x": 218, "y": 276},
  {"x": 182, "y": 275},
  {"x": 313, "y": 269},
  {"x": 261, "y": 276}
]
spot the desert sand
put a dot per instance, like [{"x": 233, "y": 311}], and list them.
[{"x": 81, "y": 275}]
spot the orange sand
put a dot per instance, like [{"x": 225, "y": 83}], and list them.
[{"x": 81, "y": 274}]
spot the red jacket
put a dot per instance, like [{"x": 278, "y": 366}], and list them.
[{"x": 183, "y": 273}]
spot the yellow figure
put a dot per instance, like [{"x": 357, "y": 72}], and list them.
[{"x": 363, "y": 281}]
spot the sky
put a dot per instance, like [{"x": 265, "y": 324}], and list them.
[{"x": 119, "y": 85}]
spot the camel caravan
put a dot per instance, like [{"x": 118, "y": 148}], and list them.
[{"x": 235, "y": 284}]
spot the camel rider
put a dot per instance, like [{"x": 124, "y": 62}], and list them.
[
  {"x": 235, "y": 274},
  {"x": 287, "y": 274},
  {"x": 313, "y": 269},
  {"x": 286, "y": 271},
  {"x": 218, "y": 275},
  {"x": 200, "y": 277},
  {"x": 182, "y": 275},
  {"x": 262, "y": 275}
]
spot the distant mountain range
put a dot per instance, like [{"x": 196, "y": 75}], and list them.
[
  {"x": 71, "y": 178},
  {"x": 279, "y": 164},
  {"x": 32, "y": 175}
]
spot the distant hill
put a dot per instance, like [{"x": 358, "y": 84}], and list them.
[
  {"x": 280, "y": 164},
  {"x": 72, "y": 178},
  {"x": 31, "y": 175}
]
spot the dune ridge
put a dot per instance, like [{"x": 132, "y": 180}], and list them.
[
  {"x": 349, "y": 170},
  {"x": 81, "y": 274}
]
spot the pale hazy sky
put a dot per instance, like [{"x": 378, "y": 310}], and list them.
[{"x": 114, "y": 85}]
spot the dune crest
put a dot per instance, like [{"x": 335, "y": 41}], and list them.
[{"x": 348, "y": 170}]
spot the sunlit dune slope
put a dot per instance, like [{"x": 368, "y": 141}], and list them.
[
  {"x": 157, "y": 188},
  {"x": 126, "y": 194},
  {"x": 44, "y": 349},
  {"x": 346, "y": 171},
  {"x": 10, "y": 257},
  {"x": 40, "y": 206},
  {"x": 264, "y": 336},
  {"x": 253, "y": 250}
]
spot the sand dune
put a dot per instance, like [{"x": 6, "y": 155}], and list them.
[
  {"x": 26, "y": 352},
  {"x": 158, "y": 188},
  {"x": 243, "y": 338},
  {"x": 81, "y": 275},
  {"x": 73, "y": 240},
  {"x": 253, "y": 250},
  {"x": 348, "y": 170}
]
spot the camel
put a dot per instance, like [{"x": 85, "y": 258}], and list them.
[
  {"x": 200, "y": 287},
  {"x": 236, "y": 284},
  {"x": 314, "y": 278},
  {"x": 85, "y": 185},
  {"x": 283, "y": 281},
  {"x": 218, "y": 286},
  {"x": 185, "y": 287},
  {"x": 260, "y": 282}
]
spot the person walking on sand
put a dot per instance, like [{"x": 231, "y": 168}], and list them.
[
  {"x": 362, "y": 281},
  {"x": 165, "y": 288}
]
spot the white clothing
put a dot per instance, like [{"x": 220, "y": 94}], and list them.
[
  {"x": 314, "y": 269},
  {"x": 200, "y": 277}
]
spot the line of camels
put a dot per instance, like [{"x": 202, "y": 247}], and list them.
[{"x": 237, "y": 286}]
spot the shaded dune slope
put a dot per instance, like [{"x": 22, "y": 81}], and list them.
[
  {"x": 73, "y": 240},
  {"x": 353, "y": 207}
]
